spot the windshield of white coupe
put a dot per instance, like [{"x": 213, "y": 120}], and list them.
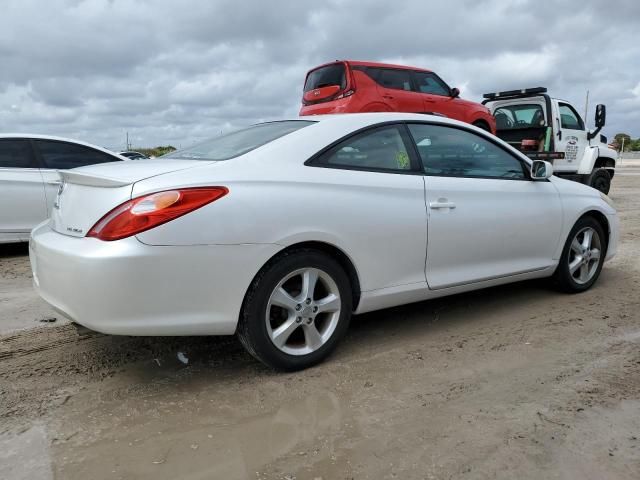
[{"x": 239, "y": 142}]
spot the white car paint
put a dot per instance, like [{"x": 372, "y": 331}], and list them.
[
  {"x": 189, "y": 276},
  {"x": 32, "y": 190}
]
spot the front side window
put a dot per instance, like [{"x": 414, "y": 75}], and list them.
[
  {"x": 64, "y": 155},
  {"x": 15, "y": 153},
  {"x": 429, "y": 83},
  {"x": 569, "y": 118},
  {"x": 453, "y": 152},
  {"x": 239, "y": 142},
  {"x": 378, "y": 149}
]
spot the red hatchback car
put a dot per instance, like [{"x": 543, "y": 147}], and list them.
[{"x": 351, "y": 87}]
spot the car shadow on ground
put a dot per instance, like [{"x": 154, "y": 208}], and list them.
[
  {"x": 93, "y": 352},
  {"x": 14, "y": 250},
  {"x": 217, "y": 357}
]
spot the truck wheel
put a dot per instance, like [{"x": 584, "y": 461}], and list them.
[{"x": 600, "y": 179}]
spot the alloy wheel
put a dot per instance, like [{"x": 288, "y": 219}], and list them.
[
  {"x": 303, "y": 311},
  {"x": 584, "y": 255}
]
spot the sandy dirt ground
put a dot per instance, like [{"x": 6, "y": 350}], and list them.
[{"x": 515, "y": 382}]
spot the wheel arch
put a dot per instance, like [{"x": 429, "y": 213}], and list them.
[
  {"x": 484, "y": 120},
  {"x": 606, "y": 162},
  {"x": 601, "y": 218},
  {"x": 332, "y": 251}
]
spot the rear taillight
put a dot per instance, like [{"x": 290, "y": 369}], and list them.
[{"x": 149, "y": 211}]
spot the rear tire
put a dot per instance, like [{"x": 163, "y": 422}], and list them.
[
  {"x": 296, "y": 310},
  {"x": 582, "y": 257},
  {"x": 600, "y": 179}
]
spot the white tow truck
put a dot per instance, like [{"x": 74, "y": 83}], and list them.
[{"x": 546, "y": 128}]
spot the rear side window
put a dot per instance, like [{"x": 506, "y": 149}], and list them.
[
  {"x": 15, "y": 153},
  {"x": 378, "y": 149},
  {"x": 323, "y": 77},
  {"x": 390, "y": 78},
  {"x": 239, "y": 142},
  {"x": 429, "y": 83},
  {"x": 453, "y": 152},
  {"x": 64, "y": 155}
]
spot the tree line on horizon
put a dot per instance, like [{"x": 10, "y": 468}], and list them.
[{"x": 630, "y": 144}]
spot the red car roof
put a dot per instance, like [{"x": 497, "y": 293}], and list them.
[{"x": 372, "y": 64}]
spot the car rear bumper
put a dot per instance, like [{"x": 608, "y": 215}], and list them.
[{"x": 129, "y": 288}]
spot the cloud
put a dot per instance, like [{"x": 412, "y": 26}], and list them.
[{"x": 177, "y": 72}]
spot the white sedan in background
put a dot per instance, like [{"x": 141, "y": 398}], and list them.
[
  {"x": 29, "y": 179},
  {"x": 280, "y": 231}
]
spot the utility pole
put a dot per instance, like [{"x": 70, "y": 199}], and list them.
[{"x": 126, "y": 147}]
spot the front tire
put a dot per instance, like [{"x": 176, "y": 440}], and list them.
[
  {"x": 296, "y": 310},
  {"x": 582, "y": 257},
  {"x": 483, "y": 125},
  {"x": 600, "y": 179}
]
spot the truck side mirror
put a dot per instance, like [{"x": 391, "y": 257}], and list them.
[
  {"x": 601, "y": 115},
  {"x": 455, "y": 92},
  {"x": 541, "y": 170}
]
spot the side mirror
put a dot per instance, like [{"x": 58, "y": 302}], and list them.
[
  {"x": 601, "y": 115},
  {"x": 541, "y": 170},
  {"x": 455, "y": 92}
]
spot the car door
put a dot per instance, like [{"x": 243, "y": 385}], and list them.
[
  {"x": 57, "y": 155},
  {"x": 436, "y": 95},
  {"x": 21, "y": 190},
  {"x": 571, "y": 137},
  {"x": 486, "y": 218},
  {"x": 382, "y": 220},
  {"x": 395, "y": 88}
]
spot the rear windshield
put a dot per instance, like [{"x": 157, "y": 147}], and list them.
[
  {"x": 333, "y": 74},
  {"x": 239, "y": 142},
  {"x": 526, "y": 115}
]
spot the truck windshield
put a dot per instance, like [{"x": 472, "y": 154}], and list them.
[
  {"x": 333, "y": 74},
  {"x": 510, "y": 117},
  {"x": 238, "y": 143}
]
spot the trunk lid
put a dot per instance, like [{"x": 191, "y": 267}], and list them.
[{"x": 86, "y": 194}]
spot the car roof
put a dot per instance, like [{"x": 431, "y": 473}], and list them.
[
  {"x": 364, "y": 63},
  {"x": 364, "y": 119},
  {"x": 60, "y": 139}
]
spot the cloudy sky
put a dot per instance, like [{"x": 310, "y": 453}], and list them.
[{"x": 173, "y": 72}]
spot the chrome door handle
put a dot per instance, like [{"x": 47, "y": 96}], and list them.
[
  {"x": 54, "y": 182},
  {"x": 439, "y": 204}
]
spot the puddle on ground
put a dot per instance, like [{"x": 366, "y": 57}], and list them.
[{"x": 234, "y": 450}]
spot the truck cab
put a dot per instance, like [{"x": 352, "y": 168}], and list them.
[{"x": 546, "y": 128}]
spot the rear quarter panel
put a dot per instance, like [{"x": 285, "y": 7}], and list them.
[{"x": 377, "y": 219}]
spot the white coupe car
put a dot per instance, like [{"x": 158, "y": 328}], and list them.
[
  {"x": 279, "y": 232},
  {"x": 29, "y": 177}
]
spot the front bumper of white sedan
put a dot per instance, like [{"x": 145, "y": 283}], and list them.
[
  {"x": 614, "y": 236},
  {"x": 126, "y": 287}
]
